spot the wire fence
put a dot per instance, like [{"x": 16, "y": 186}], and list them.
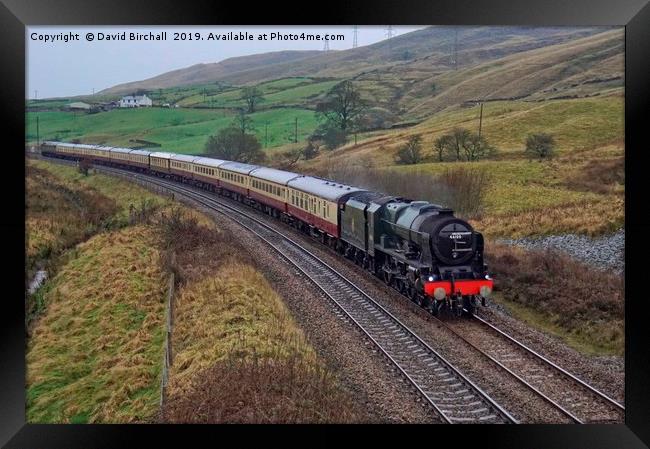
[{"x": 167, "y": 356}]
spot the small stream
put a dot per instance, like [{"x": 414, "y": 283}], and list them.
[{"x": 37, "y": 281}]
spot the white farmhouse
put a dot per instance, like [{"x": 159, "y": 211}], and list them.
[{"x": 131, "y": 101}]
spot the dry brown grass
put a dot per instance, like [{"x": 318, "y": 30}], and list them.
[
  {"x": 601, "y": 176},
  {"x": 589, "y": 217},
  {"x": 231, "y": 329},
  {"x": 266, "y": 391},
  {"x": 95, "y": 355},
  {"x": 584, "y": 304}
]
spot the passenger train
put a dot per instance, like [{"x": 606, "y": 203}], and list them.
[{"x": 419, "y": 248}]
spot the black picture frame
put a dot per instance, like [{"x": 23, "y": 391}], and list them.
[{"x": 633, "y": 14}]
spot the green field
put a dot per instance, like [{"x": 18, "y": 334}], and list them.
[
  {"x": 177, "y": 130},
  {"x": 283, "y": 92}
]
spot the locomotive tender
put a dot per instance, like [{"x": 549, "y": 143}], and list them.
[{"x": 418, "y": 248}]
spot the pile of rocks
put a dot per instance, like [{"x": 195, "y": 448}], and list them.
[{"x": 607, "y": 252}]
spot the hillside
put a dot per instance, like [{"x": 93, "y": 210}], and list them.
[
  {"x": 433, "y": 45},
  {"x": 205, "y": 73},
  {"x": 577, "y": 68}
]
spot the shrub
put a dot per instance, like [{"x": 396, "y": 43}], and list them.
[
  {"x": 540, "y": 145},
  {"x": 411, "y": 152},
  {"x": 333, "y": 137},
  {"x": 462, "y": 145},
  {"x": 310, "y": 151},
  {"x": 84, "y": 165},
  {"x": 464, "y": 189},
  {"x": 233, "y": 144}
]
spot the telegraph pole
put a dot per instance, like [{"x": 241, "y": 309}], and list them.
[
  {"x": 480, "y": 121},
  {"x": 296, "y": 131},
  {"x": 38, "y": 135},
  {"x": 326, "y": 46},
  {"x": 355, "y": 38},
  {"x": 389, "y": 36}
]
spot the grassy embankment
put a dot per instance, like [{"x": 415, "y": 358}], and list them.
[{"x": 96, "y": 349}]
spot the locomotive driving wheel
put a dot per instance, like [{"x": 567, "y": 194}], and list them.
[
  {"x": 415, "y": 296},
  {"x": 387, "y": 277}
]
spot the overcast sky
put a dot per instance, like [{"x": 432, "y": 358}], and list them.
[{"x": 59, "y": 69}]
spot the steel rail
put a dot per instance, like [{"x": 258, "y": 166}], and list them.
[
  {"x": 523, "y": 381},
  {"x": 550, "y": 363}
]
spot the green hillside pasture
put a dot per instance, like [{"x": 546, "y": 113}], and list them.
[
  {"x": 48, "y": 104},
  {"x": 281, "y": 125},
  {"x": 276, "y": 93},
  {"x": 227, "y": 99},
  {"x": 283, "y": 83},
  {"x": 178, "y": 130},
  {"x": 206, "y": 95},
  {"x": 300, "y": 93},
  {"x": 110, "y": 125},
  {"x": 575, "y": 123},
  {"x": 191, "y": 138}
]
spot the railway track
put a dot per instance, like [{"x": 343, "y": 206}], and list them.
[
  {"x": 454, "y": 397},
  {"x": 577, "y": 400}
]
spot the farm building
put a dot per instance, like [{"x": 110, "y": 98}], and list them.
[{"x": 135, "y": 101}]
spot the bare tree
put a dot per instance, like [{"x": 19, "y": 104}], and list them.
[
  {"x": 459, "y": 137},
  {"x": 343, "y": 106},
  {"x": 252, "y": 95},
  {"x": 476, "y": 147},
  {"x": 441, "y": 145},
  {"x": 243, "y": 122},
  {"x": 411, "y": 152}
]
